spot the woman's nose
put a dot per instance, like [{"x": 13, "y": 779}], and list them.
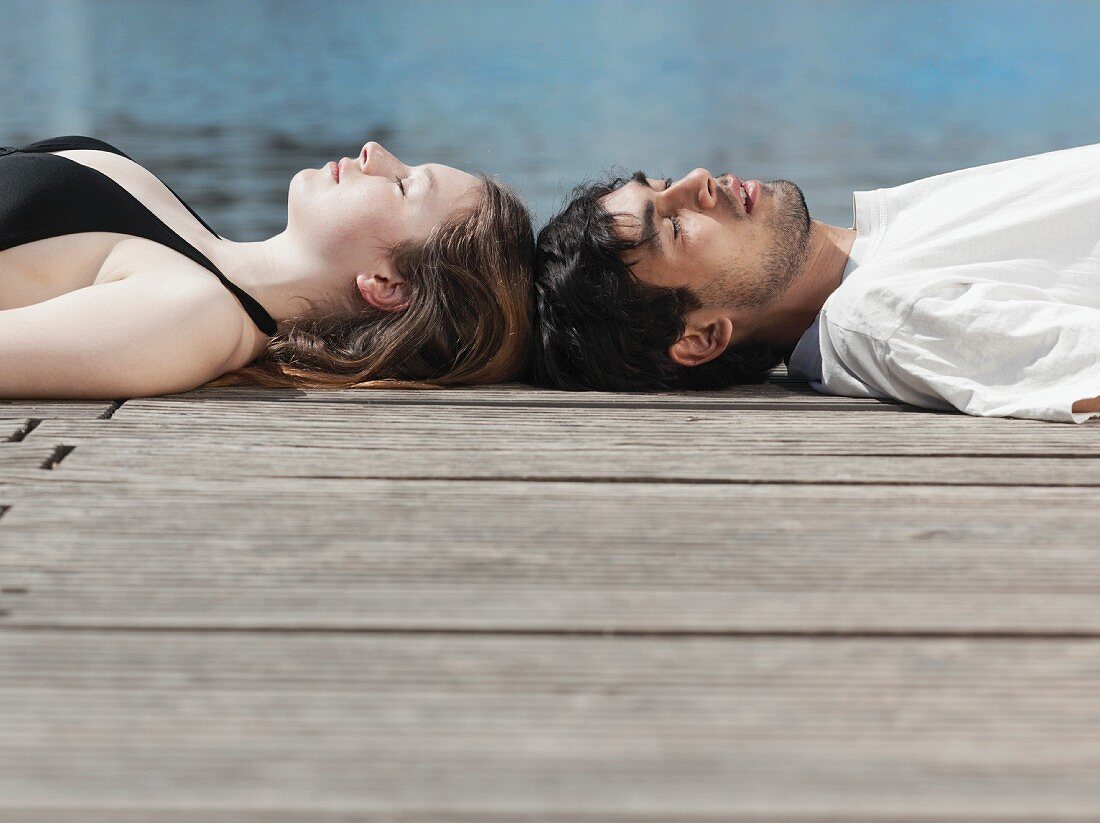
[
  {"x": 696, "y": 189},
  {"x": 376, "y": 160}
]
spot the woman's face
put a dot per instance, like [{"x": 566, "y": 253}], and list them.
[{"x": 351, "y": 212}]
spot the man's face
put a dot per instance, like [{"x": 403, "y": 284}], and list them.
[{"x": 733, "y": 244}]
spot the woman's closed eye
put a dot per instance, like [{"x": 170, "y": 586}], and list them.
[{"x": 400, "y": 185}]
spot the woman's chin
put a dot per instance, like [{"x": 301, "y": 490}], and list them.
[{"x": 300, "y": 186}]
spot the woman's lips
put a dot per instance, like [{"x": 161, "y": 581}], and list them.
[{"x": 333, "y": 169}]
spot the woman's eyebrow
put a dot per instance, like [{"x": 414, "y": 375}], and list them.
[{"x": 425, "y": 189}]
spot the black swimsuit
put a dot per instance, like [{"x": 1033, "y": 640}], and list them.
[{"x": 46, "y": 195}]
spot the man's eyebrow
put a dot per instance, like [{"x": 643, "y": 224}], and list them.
[
  {"x": 642, "y": 179},
  {"x": 650, "y": 235}
]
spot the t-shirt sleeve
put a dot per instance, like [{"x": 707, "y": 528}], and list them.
[{"x": 997, "y": 350}]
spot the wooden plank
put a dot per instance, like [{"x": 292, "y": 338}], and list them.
[
  {"x": 810, "y": 729},
  {"x": 315, "y": 815},
  {"x": 57, "y": 409},
  {"x": 539, "y": 431},
  {"x": 38, "y": 454},
  {"x": 270, "y": 552},
  {"x": 784, "y": 393},
  {"x": 13, "y": 428},
  {"x": 207, "y": 460},
  {"x": 127, "y": 449}
]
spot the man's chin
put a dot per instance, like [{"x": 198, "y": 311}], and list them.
[
  {"x": 782, "y": 188},
  {"x": 790, "y": 202}
]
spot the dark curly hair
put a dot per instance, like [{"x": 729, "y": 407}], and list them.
[{"x": 601, "y": 327}]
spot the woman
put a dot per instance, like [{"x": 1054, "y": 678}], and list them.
[{"x": 112, "y": 287}]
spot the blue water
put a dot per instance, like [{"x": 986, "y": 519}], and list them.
[{"x": 226, "y": 100}]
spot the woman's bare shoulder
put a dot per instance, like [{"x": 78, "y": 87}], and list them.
[
  {"x": 137, "y": 336},
  {"x": 196, "y": 290},
  {"x": 158, "y": 270}
]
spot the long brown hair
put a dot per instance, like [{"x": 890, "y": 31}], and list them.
[{"x": 468, "y": 319}]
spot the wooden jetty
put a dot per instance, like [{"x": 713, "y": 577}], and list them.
[{"x": 511, "y": 604}]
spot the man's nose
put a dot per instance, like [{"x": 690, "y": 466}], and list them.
[{"x": 697, "y": 189}]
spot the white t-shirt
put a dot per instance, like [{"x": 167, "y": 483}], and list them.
[{"x": 977, "y": 290}]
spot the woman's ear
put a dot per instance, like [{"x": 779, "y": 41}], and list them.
[
  {"x": 384, "y": 290},
  {"x": 704, "y": 338}
]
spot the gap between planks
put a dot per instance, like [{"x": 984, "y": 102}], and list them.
[{"x": 921, "y": 635}]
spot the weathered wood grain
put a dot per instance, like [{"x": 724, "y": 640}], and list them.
[
  {"x": 38, "y": 454},
  {"x": 812, "y": 729},
  {"x": 167, "y": 551},
  {"x": 13, "y": 428},
  {"x": 315, "y": 815},
  {"x": 778, "y": 391},
  {"x": 756, "y": 605},
  {"x": 126, "y": 450},
  {"x": 57, "y": 409},
  {"x": 761, "y": 433}
]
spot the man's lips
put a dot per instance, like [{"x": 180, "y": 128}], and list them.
[
  {"x": 752, "y": 192},
  {"x": 739, "y": 192}
]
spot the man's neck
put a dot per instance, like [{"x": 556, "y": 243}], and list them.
[{"x": 826, "y": 257}]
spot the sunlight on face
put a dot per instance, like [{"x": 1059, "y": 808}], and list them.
[
  {"x": 734, "y": 243},
  {"x": 357, "y": 208}
]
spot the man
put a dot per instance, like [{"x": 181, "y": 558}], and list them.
[{"x": 977, "y": 290}]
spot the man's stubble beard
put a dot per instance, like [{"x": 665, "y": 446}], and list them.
[{"x": 759, "y": 289}]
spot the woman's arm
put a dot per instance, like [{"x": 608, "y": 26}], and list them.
[{"x": 132, "y": 338}]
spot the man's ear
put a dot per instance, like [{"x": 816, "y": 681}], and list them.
[
  {"x": 704, "y": 338},
  {"x": 385, "y": 290}
]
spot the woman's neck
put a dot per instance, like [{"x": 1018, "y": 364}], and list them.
[{"x": 275, "y": 273}]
